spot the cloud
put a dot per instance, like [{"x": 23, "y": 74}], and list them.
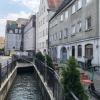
[
  {"x": 31, "y": 4},
  {"x": 11, "y": 16}
]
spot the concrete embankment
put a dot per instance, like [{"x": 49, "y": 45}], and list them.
[{"x": 5, "y": 86}]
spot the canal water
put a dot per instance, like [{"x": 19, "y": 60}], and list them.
[{"x": 25, "y": 88}]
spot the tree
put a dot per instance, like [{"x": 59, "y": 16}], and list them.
[
  {"x": 40, "y": 57},
  {"x": 71, "y": 80},
  {"x": 49, "y": 61}
]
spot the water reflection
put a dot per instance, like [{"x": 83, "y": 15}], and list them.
[{"x": 24, "y": 88}]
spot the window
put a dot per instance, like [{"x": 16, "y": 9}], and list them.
[
  {"x": 19, "y": 31},
  {"x": 79, "y": 51},
  {"x": 66, "y": 14},
  {"x": 73, "y": 9},
  {"x": 88, "y": 1},
  {"x": 55, "y": 36},
  {"x": 66, "y": 33},
  {"x": 73, "y": 29},
  {"x": 89, "y": 50},
  {"x": 79, "y": 26},
  {"x": 79, "y": 4},
  {"x": 60, "y": 35},
  {"x": 88, "y": 23},
  {"x": 16, "y": 30},
  {"x": 61, "y": 17},
  {"x": 73, "y": 51},
  {"x": 43, "y": 33}
]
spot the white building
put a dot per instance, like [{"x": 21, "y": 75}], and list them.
[
  {"x": 45, "y": 10},
  {"x": 13, "y": 35},
  {"x": 30, "y": 36}
]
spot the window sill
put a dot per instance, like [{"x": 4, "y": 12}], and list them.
[
  {"x": 72, "y": 35},
  {"x": 79, "y": 56},
  {"x": 65, "y": 37},
  {"x": 73, "y": 13},
  {"x": 88, "y": 29},
  {"x": 79, "y": 9}
]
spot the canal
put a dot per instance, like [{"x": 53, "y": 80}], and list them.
[{"x": 25, "y": 87}]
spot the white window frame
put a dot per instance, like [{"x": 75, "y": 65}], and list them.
[
  {"x": 66, "y": 14},
  {"x": 73, "y": 29},
  {"x": 73, "y": 8},
  {"x": 79, "y": 26},
  {"x": 61, "y": 17},
  {"x": 87, "y": 27},
  {"x": 16, "y": 31},
  {"x": 79, "y": 4},
  {"x": 88, "y": 1},
  {"x": 60, "y": 35},
  {"x": 66, "y": 33}
]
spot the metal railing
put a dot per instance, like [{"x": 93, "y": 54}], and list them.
[
  {"x": 52, "y": 79},
  {"x": 6, "y": 70}
]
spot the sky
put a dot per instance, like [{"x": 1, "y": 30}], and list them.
[{"x": 13, "y": 9}]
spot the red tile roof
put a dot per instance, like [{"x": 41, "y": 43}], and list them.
[{"x": 54, "y": 4}]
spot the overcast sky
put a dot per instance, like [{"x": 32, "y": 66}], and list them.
[{"x": 13, "y": 9}]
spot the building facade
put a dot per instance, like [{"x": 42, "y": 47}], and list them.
[
  {"x": 30, "y": 36},
  {"x": 2, "y": 42},
  {"x": 75, "y": 31},
  {"x": 42, "y": 22},
  {"x": 13, "y": 35}
]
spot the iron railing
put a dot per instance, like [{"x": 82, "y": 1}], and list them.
[
  {"x": 51, "y": 78},
  {"x": 6, "y": 70}
]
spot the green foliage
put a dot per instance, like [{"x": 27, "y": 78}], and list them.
[
  {"x": 71, "y": 80},
  {"x": 1, "y": 49},
  {"x": 49, "y": 61},
  {"x": 40, "y": 56}
]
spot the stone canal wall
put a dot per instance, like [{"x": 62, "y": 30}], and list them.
[{"x": 5, "y": 86}]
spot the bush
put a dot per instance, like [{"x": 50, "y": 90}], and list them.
[
  {"x": 49, "y": 61},
  {"x": 40, "y": 57},
  {"x": 71, "y": 80}
]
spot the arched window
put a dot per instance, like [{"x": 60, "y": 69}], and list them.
[
  {"x": 89, "y": 50},
  {"x": 79, "y": 51}
]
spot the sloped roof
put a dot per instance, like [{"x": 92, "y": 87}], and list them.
[
  {"x": 64, "y": 4},
  {"x": 54, "y": 4}
]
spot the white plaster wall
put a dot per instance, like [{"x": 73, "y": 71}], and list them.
[
  {"x": 96, "y": 50},
  {"x": 29, "y": 40},
  {"x": 13, "y": 40}
]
